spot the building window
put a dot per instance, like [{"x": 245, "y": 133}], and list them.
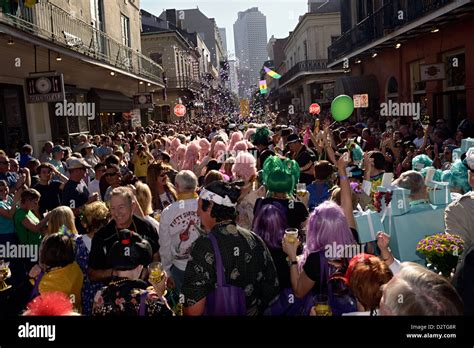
[
  {"x": 455, "y": 69},
  {"x": 157, "y": 58},
  {"x": 125, "y": 27},
  {"x": 392, "y": 89},
  {"x": 417, "y": 86}
]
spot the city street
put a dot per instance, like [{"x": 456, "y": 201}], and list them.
[{"x": 293, "y": 158}]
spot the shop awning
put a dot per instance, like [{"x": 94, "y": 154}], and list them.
[
  {"x": 350, "y": 85},
  {"x": 110, "y": 101}
]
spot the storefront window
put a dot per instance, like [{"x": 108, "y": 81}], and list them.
[
  {"x": 417, "y": 86},
  {"x": 13, "y": 129},
  {"x": 455, "y": 70}
]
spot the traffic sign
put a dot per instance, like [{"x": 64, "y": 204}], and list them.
[
  {"x": 180, "y": 110},
  {"x": 314, "y": 109}
]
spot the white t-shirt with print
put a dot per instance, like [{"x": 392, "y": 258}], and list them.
[{"x": 177, "y": 234}]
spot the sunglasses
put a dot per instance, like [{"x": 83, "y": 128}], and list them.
[
  {"x": 112, "y": 174},
  {"x": 163, "y": 174}
]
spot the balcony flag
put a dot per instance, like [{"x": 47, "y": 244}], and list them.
[
  {"x": 263, "y": 87},
  {"x": 271, "y": 73}
]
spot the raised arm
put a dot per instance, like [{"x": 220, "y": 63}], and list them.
[{"x": 346, "y": 192}]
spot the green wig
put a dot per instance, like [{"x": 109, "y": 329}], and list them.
[
  {"x": 261, "y": 136},
  {"x": 280, "y": 175},
  {"x": 420, "y": 162}
]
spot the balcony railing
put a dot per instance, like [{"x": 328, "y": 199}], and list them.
[
  {"x": 184, "y": 82},
  {"x": 304, "y": 66},
  {"x": 386, "y": 19},
  {"x": 51, "y": 22}
]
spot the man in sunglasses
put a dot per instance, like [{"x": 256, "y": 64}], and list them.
[{"x": 113, "y": 177}]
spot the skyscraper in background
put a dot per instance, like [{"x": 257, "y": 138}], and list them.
[
  {"x": 250, "y": 38},
  {"x": 233, "y": 77},
  {"x": 223, "y": 35}
]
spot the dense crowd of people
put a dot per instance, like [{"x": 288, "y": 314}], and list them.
[{"x": 227, "y": 201}]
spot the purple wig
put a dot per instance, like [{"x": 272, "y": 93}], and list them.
[
  {"x": 326, "y": 225},
  {"x": 270, "y": 224}
]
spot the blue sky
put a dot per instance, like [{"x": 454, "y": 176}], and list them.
[{"x": 282, "y": 15}]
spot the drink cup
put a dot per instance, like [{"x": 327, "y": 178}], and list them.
[{"x": 291, "y": 235}]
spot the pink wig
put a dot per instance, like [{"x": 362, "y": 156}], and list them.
[
  {"x": 180, "y": 152},
  {"x": 249, "y": 133},
  {"x": 240, "y": 146},
  {"x": 205, "y": 146},
  {"x": 167, "y": 145},
  {"x": 219, "y": 150},
  {"x": 175, "y": 143},
  {"x": 245, "y": 166},
  {"x": 191, "y": 157},
  {"x": 234, "y": 139}
]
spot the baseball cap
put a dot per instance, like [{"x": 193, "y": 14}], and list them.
[{"x": 58, "y": 148}]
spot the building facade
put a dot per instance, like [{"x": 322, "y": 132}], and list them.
[
  {"x": 223, "y": 35},
  {"x": 186, "y": 61},
  {"x": 308, "y": 79},
  {"x": 415, "y": 51},
  {"x": 95, "y": 50},
  {"x": 250, "y": 39},
  {"x": 194, "y": 21}
]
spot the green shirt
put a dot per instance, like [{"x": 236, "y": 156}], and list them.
[{"x": 24, "y": 235}]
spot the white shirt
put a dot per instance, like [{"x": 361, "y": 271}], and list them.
[
  {"x": 418, "y": 142},
  {"x": 87, "y": 242},
  {"x": 93, "y": 187},
  {"x": 177, "y": 234}
]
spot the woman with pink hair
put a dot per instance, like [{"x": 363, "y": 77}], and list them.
[
  {"x": 241, "y": 146},
  {"x": 219, "y": 151},
  {"x": 175, "y": 143},
  {"x": 180, "y": 155},
  {"x": 234, "y": 139},
  {"x": 249, "y": 133},
  {"x": 204, "y": 147},
  {"x": 191, "y": 158},
  {"x": 245, "y": 169}
]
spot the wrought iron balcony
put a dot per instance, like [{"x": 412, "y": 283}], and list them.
[
  {"x": 304, "y": 66},
  {"x": 184, "y": 82},
  {"x": 384, "y": 20},
  {"x": 51, "y": 22}
]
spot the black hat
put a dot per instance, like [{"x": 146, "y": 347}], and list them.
[
  {"x": 129, "y": 251},
  {"x": 293, "y": 138},
  {"x": 286, "y": 132}
]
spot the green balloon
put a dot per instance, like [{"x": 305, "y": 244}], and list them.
[{"x": 342, "y": 108}]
